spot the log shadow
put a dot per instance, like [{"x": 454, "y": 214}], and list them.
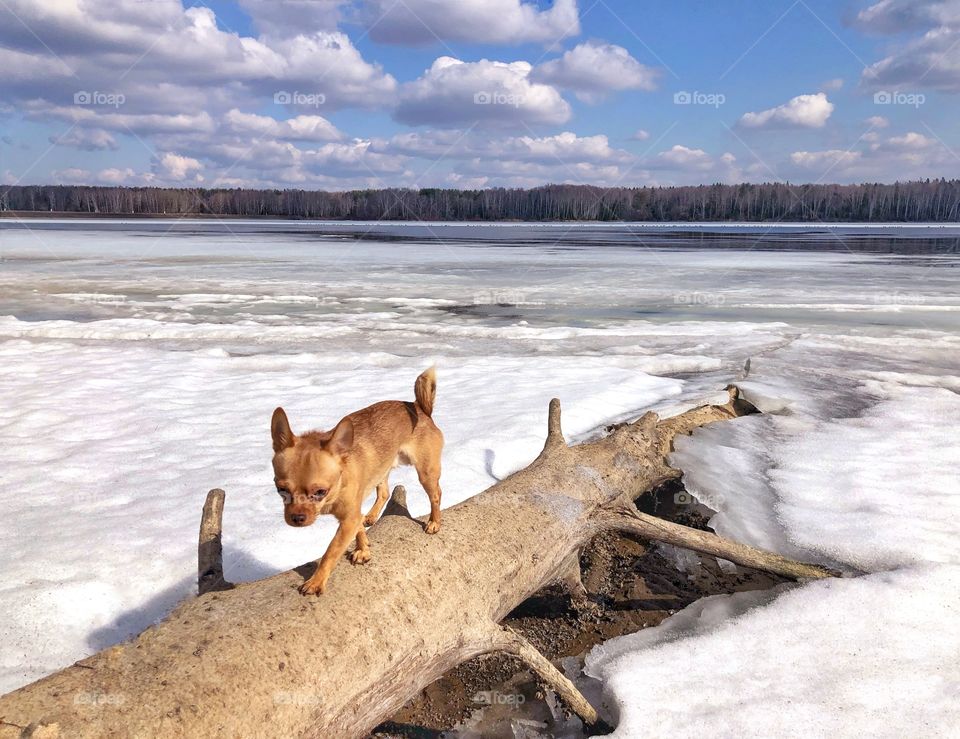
[{"x": 130, "y": 623}]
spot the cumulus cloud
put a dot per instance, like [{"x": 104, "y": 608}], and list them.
[
  {"x": 418, "y": 22},
  {"x": 818, "y": 159},
  {"x": 897, "y": 16},
  {"x": 640, "y": 135},
  {"x": 300, "y": 128},
  {"x": 911, "y": 141},
  {"x": 519, "y": 161},
  {"x": 494, "y": 94},
  {"x": 683, "y": 164},
  {"x": 877, "y": 121},
  {"x": 930, "y": 61},
  {"x": 909, "y": 155},
  {"x": 101, "y": 46},
  {"x": 686, "y": 158},
  {"x": 561, "y": 148},
  {"x": 592, "y": 70},
  {"x": 178, "y": 168},
  {"x": 803, "y": 111},
  {"x": 93, "y": 139}
]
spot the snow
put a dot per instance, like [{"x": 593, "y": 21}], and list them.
[
  {"x": 852, "y": 465},
  {"x": 873, "y": 656},
  {"x": 139, "y": 369}
]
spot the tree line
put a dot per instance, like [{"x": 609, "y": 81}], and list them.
[{"x": 927, "y": 200}]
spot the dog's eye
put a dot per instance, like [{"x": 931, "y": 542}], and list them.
[{"x": 319, "y": 493}]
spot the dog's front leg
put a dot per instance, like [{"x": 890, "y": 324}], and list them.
[{"x": 338, "y": 546}]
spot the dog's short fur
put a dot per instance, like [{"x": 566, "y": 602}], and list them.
[{"x": 332, "y": 471}]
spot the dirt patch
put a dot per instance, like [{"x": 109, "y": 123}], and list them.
[{"x": 632, "y": 585}]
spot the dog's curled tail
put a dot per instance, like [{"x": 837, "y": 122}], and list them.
[{"x": 425, "y": 390}]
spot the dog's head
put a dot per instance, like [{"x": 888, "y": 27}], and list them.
[{"x": 307, "y": 469}]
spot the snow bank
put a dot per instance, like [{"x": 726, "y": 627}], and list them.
[
  {"x": 855, "y": 465},
  {"x": 873, "y": 656}
]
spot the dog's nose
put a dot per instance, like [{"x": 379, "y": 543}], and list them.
[{"x": 298, "y": 519}]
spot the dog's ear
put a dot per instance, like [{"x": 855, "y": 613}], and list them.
[
  {"x": 342, "y": 437},
  {"x": 280, "y": 431}
]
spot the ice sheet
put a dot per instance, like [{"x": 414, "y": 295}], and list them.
[{"x": 138, "y": 370}]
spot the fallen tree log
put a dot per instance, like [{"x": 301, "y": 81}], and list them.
[{"x": 259, "y": 658}]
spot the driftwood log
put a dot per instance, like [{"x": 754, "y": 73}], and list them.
[{"x": 259, "y": 659}]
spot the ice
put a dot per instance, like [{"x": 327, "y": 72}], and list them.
[{"x": 140, "y": 362}]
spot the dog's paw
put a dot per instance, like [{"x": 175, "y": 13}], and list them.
[
  {"x": 432, "y": 527},
  {"x": 360, "y": 556},
  {"x": 369, "y": 520},
  {"x": 312, "y": 587}
]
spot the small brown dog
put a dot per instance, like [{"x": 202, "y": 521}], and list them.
[{"x": 332, "y": 471}]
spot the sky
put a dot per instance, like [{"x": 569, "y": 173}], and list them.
[{"x": 336, "y": 95}]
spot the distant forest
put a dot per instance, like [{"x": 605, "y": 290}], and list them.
[{"x": 929, "y": 200}]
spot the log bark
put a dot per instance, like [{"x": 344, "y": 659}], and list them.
[{"x": 262, "y": 659}]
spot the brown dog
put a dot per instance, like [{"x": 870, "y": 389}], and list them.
[{"x": 332, "y": 471}]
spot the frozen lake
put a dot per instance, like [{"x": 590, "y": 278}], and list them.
[{"x": 140, "y": 362}]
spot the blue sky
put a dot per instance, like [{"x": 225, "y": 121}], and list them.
[{"x": 477, "y": 93}]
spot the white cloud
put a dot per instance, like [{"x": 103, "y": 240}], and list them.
[
  {"x": 911, "y": 141},
  {"x": 140, "y": 47},
  {"x": 560, "y": 148},
  {"x": 685, "y": 165},
  {"x": 176, "y": 168},
  {"x": 300, "y": 128},
  {"x": 829, "y": 158},
  {"x": 563, "y": 148},
  {"x": 930, "y": 61},
  {"x": 686, "y": 158},
  {"x": 877, "y": 121},
  {"x": 594, "y": 69},
  {"x": 122, "y": 176},
  {"x": 110, "y": 118},
  {"x": 417, "y": 22},
  {"x": 832, "y": 85},
  {"x": 640, "y": 135},
  {"x": 91, "y": 139},
  {"x": 72, "y": 176},
  {"x": 487, "y": 93},
  {"x": 803, "y": 111},
  {"x": 897, "y": 16}
]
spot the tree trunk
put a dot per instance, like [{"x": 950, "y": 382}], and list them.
[{"x": 261, "y": 658}]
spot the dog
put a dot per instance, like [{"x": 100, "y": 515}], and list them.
[{"x": 322, "y": 472}]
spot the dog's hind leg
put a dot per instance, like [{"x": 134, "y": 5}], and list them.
[
  {"x": 383, "y": 490},
  {"x": 429, "y": 474}
]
